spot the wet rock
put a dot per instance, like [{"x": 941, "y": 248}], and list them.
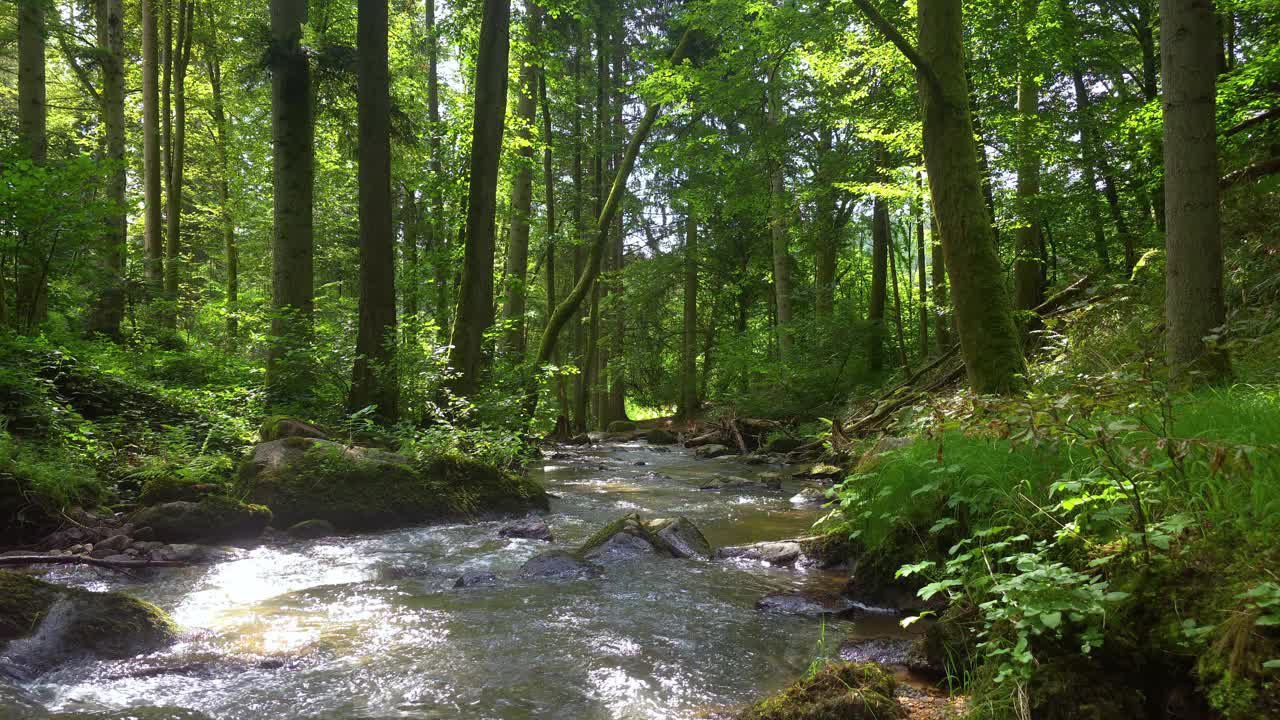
[
  {"x": 884, "y": 650},
  {"x": 682, "y": 537},
  {"x": 42, "y": 624},
  {"x": 730, "y": 482},
  {"x": 67, "y": 537},
  {"x": 713, "y": 450},
  {"x": 476, "y": 579},
  {"x": 311, "y": 530},
  {"x": 822, "y": 551},
  {"x": 181, "y": 553},
  {"x": 111, "y": 546},
  {"x": 623, "y": 539},
  {"x": 851, "y": 691},
  {"x": 820, "y": 471},
  {"x": 278, "y": 427},
  {"x": 529, "y": 528},
  {"x": 809, "y": 497},
  {"x": 213, "y": 519},
  {"x": 559, "y": 455},
  {"x": 580, "y": 439},
  {"x": 358, "y": 488},
  {"x": 804, "y": 602},
  {"x": 557, "y": 565},
  {"x": 782, "y": 553},
  {"x": 770, "y": 480},
  {"x": 660, "y": 436}
]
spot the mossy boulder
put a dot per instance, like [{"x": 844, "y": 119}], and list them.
[
  {"x": 660, "y": 436},
  {"x": 213, "y": 519},
  {"x": 848, "y": 691},
  {"x": 171, "y": 488},
  {"x": 277, "y": 427},
  {"x": 358, "y": 488},
  {"x": 54, "y": 623},
  {"x": 621, "y": 426},
  {"x": 626, "y": 538},
  {"x": 683, "y": 539}
]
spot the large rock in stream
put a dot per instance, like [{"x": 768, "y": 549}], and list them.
[
  {"x": 360, "y": 488},
  {"x": 43, "y": 625},
  {"x": 628, "y": 538}
]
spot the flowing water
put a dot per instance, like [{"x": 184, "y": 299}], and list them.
[{"x": 371, "y": 626}]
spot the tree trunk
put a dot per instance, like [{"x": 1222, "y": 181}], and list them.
[
  {"x": 941, "y": 318},
  {"x": 213, "y": 64},
  {"x": 373, "y": 379},
  {"x": 778, "y": 225},
  {"x": 1088, "y": 166},
  {"x": 920, "y": 263},
  {"x": 1193, "y": 281},
  {"x": 615, "y": 405},
  {"x": 988, "y": 338},
  {"x": 108, "y": 312},
  {"x": 579, "y": 251},
  {"x": 824, "y": 273},
  {"x": 292, "y": 130},
  {"x": 32, "y": 287},
  {"x": 522, "y": 192},
  {"x": 153, "y": 240},
  {"x": 1028, "y": 273},
  {"x": 412, "y": 280},
  {"x": 549, "y": 199},
  {"x": 177, "y": 163},
  {"x": 475, "y": 295},
  {"x": 897, "y": 303},
  {"x": 437, "y": 235},
  {"x": 879, "y": 284},
  {"x": 689, "y": 339}
]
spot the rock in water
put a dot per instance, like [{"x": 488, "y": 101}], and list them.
[
  {"x": 805, "y": 602},
  {"x": 824, "y": 551},
  {"x": 358, "y": 488},
  {"x": 660, "y": 436},
  {"x": 809, "y": 497},
  {"x": 821, "y": 471},
  {"x": 42, "y": 624},
  {"x": 213, "y": 519},
  {"x": 529, "y": 528},
  {"x": 476, "y": 579},
  {"x": 848, "y": 691},
  {"x": 682, "y": 537},
  {"x": 712, "y": 451},
  {"x": 780, "y": 553},
  {"x": 557, "y": 565},
  {"x": 311, "y": 529}
]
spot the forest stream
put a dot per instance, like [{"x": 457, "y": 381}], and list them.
[{"x": 371, "y": 626}]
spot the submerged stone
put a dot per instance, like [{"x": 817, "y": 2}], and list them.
[
  {"x": 804, "y": 602},
  {"x": 557, "y": 565},
  {"x": 476, "y": 579}
]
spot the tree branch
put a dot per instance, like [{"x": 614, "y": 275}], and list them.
[
  {"x": 1255, "y": 120},
  {"x": 887, "y": 29},
  {"x": 1260, "y": 169}
]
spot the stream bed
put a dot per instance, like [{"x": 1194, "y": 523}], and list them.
[{"x": 370, "y": 627}]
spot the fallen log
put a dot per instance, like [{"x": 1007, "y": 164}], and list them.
[{"x": 86, "y": 560}]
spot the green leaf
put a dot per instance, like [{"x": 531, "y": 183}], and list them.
[{"x": 1051, "y": 620}]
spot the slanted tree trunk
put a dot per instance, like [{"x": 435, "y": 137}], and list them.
[
  {"x": 108, "y": 311},
  {"x": 32, "y": 287},
  {"x": 779, "y": 229},
  {"x": 213, "y": 66},
  {"x": 153, "y": 240},
  {"x": 475, "y": 295},
  {"x": 293, "y": 158},
  {"x": 522, "y": 192},
  {"x": 1028, "y": 273},
  {"x": 177, "y": 163},
  {"x": 689, "y": 338},
  {"x": 879, "y": 284},
  {"x": 373, "y": 377},
  {"x": 1194, "y": 307}
]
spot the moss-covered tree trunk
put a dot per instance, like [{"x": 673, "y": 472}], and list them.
[
  {"x": 292, "y": 246},
  {"x": 920, "y": 267},
  {"x": 941, "y": 316},
  {"x": 615, "y": 401},
  {"x": 1194, "y": 306},
  {"x": 108, "y": 310},
  {"x": 824, "y": 261},
  {"x": 437, "y": 235},
  {"x": 475, "y": 294},
  {"x": 373, "y": 379}
]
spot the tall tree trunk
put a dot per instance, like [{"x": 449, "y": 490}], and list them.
[
  {"x": 824, "y": 277},
  {"x": 597, "y": 375},
  {"x": 941, "y": 318},
  {"x": 897, "y": 302},
  {"x": 177, "y": 162},
  {"x": 879, "y": 283},
  {"x": 475, "y": 296},
  {"x": 412, "y": 280},
  {"x": 32, "y": 287},
  {"x": 1028, "y": 273},
  {"x": 920, "y": 263},
  {"x": 778, "y": 225},
  {"x": 437, "y": 239},
  {"x": 984, "y": 169},
  {"x": 292, "y": 248},
  {"x": 1088, "y": 166},
  {"x": 689, "y": 339},
  {"x": 579, "y": 248},
  {"x": 522, "y": 191},
  {"x": 108, "y": 311},
  {"x": 373, "y": 379},
  {"x": 153, "y": 240},
  {"x": 549, "y": 199},
  {"x": 1194, "y": 306},
  {"x": 213, "y": 65},
  {"x": 615, "y": 405}
]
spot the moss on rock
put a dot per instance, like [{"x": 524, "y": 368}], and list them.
[
  {"x": 107, "y": 625},
  {"x": 358, "y": 488},
  {"x": 172, "y": 487},
  {"x": 621, "y": 426},
  {"x": 275, "y": 427},
  {"x": 660, "y": 436},
  {"x": 212, "y": 519},
  {"x": 848, "y": 691}
]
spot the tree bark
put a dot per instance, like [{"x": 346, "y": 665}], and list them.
[
  {"x": 32, "y": 286},
  {"x": 177, "y": 163},
  {"x": 879, "y": 284},
  {"x": 374, "y": 380},
  {"x": 1194, "y": 306},
  {"x": 688, "y": 409},
  {"x": 1088, "y": 166},
  {"x": 920, "y": 263},
  {"x": 522, "y": 192},
  {"x": 213, "y": 65},
  {"x": 824, "y": 277},
  {"x": 778, "y": 225},
  {"x": 108, "y": 312},
  {"x": 475, "y": 295},
  {"x": 412, "y": 280},
  {"x": 437, "y": 240},
  {"x": 580, "y": 236},
  {"x": 941, "y": 318},
  {"x": 1028, "y": 273},
  {"x": 292, "y": 131},
  {"x": 897, "y": 303},
  {"x": 153, "y": 240},
  {"x": 615, "y": 402}
]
